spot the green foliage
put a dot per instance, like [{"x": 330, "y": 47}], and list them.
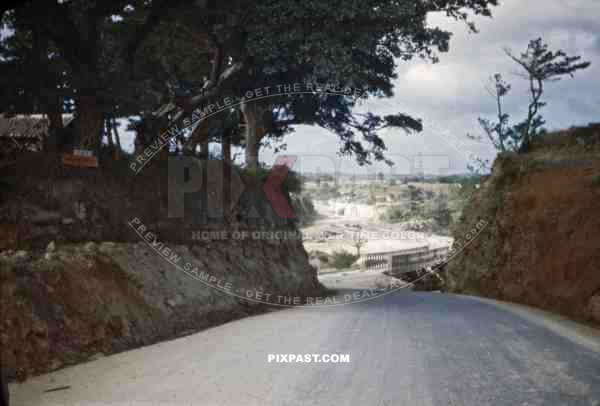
[
  {"x": 272, "y": 43},
  {"x": 460, "y": 179},
  {"x": 130, "y": 57},
  {"x": 440, "y": 213},
  {"x": 104, "y": 51},
  {"x": 437, "y": 209},
  {"x": 417, "y": 198},
  {"x": 460, "y": 194},
  {"x": 291, "y": 184},
  {"x": 416, "y": 205},
  {"x": 343, "y": 259},
  {"x": 397, "y": 214}
]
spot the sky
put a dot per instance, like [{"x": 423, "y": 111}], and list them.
[{"x": 452, "y": 92}]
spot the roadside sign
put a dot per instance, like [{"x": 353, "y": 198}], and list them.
[{"x": 83, "y": 158}]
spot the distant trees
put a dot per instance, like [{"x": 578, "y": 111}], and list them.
[
  {"x": 440, "y": 212},
  {"x": 539, "y": 65},
  {"x": 412, "y": 208},
  {"x": 343, "y": 259},
  {"x": 417, "y": 199}
]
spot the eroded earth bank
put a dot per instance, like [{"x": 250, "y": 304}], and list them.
[
  {"x": 78, "y": 281},
  {"x": 540, "y": 246}
]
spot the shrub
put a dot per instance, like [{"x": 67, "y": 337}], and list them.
[
  {"x": 343, "y": 259},
  {"x": 439, "y": 212},
  {"x": 396, "y": 214}
]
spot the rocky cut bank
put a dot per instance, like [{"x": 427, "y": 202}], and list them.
[{"x": 77, "y": 281}]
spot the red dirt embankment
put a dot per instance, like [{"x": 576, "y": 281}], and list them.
[
  {"x": 77, "y": 281},
  {"x": 542, "y": 244}
]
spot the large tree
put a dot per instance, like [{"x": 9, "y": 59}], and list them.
[
  {"x": 32, "y": 78},
  {"x": 266, "y": 43},
  {"x": 115, "y": 55},
  {"x": 97, "y": 44}
]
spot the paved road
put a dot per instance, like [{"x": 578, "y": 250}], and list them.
[
  {"x": 357, "y": 279},
  {"x": 405, "y": 349}
]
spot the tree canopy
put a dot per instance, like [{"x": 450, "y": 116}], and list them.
[{"x": 132, "y": 57}]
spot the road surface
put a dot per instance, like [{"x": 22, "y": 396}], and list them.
[
  {"x": 357, "y": 279},
  {"x": 404, "y": 349}
]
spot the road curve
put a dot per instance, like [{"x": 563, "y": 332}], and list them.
[{"x": 405, "y": 349}]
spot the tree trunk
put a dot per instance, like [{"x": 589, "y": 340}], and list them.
[
  {"x": 226, "y": 146},
  {"x": 251, "y": 116},
  {"x": 200, "y": 137},
  {"x": 251, "y": 148},
  {"x": 54, "y": 113},
  {"x": 55, "y": 139},
  {"x": 117, "y": 138},
  {"x": 108, "y": 132},
  {"x": 203, "y": 149},
  {"x": 89, "y": 123}
]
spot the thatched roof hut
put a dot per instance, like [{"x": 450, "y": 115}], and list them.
[{"x": 26, "y": 132}]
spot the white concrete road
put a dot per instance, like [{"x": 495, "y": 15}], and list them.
[
  {"x": 404, "y": 349},
  {"x": 358, "y": 279}
]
